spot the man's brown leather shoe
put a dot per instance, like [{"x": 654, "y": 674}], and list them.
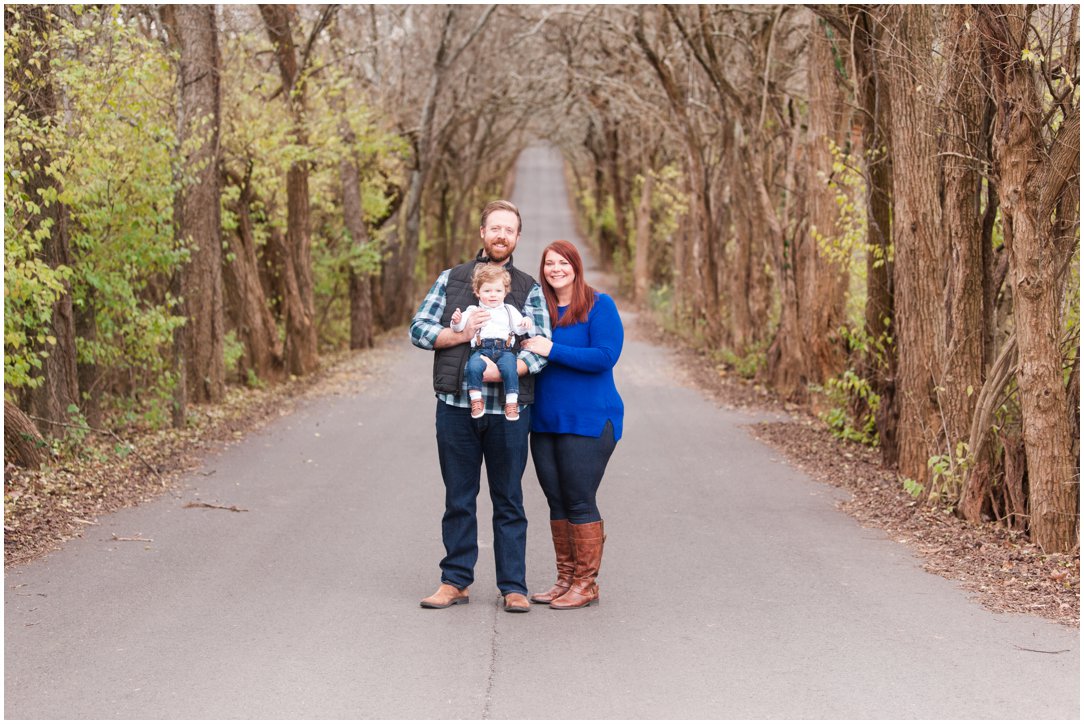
[
  {"x": 447, "y": 595},
  {"x": 516, "y": 603}
]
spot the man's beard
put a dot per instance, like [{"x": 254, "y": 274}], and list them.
[{"x": 499, "y": 255}]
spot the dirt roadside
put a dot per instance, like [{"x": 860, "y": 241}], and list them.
[{"x": 1000, "y": 568}]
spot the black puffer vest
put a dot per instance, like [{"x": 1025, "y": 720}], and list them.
[{"x": 449, "y": 363}]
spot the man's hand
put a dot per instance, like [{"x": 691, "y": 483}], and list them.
[
  {"x": 476, "y": 322},
  {"x": 492, "y": 373},
  {"x": 448, "y": 337}
]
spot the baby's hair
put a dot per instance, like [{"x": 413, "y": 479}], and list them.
[{"x": 488, "y": 273}]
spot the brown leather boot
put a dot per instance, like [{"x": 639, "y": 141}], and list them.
[
  {"x": 566, "y": 561},
  {"x": 587, "y": 542}
]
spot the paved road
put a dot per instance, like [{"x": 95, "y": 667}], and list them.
[{"x": 731, "y": 588}]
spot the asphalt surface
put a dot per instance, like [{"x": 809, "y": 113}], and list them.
[{"x": 732, "y": 587}]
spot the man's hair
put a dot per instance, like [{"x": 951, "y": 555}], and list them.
[
  {"x": 501, "y": 205},
  {"x": 489, "y": 273}
]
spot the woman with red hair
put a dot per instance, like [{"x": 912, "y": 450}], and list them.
[{"x": 576, "y": 421}]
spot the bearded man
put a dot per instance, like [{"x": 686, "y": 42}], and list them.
[{"x": 463, "y": 443}]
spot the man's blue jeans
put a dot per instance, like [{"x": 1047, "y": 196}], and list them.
[{"x": 462, "y": 444}]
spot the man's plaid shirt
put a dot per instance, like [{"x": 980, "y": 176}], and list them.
[{"x": 426, "y": 326}]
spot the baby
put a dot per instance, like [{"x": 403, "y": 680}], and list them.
[{"x": 495, "y": 340}]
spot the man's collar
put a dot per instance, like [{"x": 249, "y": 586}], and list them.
[{"x": 483, "y": 258}]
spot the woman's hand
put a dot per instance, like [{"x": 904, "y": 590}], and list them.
[{"x": 538, "y": 345}]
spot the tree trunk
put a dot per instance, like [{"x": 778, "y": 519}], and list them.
[
  {"x": 360, "y": 282},
  {"x": 880, "y": 361},
  {"x": 595, "y": 144},
  {"x": 690, "y": 269},
  {"x": 822, "y": 284},
  {"x": 978, "y": 480},
  {"x": 398, "y": 273},
  {"x": 617, "y": 187},
  {"x": 361, "y": 306},
  {"x": 641, "y": 271},
  {"x": 1032, "y": 180},
  {"x": 812, "y": 348},
  {"x": 748, "y": 219},
  {"x": 301, "y": 340},
  {"x": 86, "y": 329},
  {"x": 246, "y": 301},
  {"x": 59, "y": 389},
  {"x": 179, "y": 408},
  {"x": 786, "y": 355},
  {"x": 762, "y": 292},
  {"x": 964, "y": 145},
  {"x": 197, "y": 213},
  {"x": 301, "y": 354},
  {"x": 23, "y": 445},
  {"x": 398, "y": 276},
  {"x": 1072, "y": 394},
  {"x": 705, "y": 295},
  {"x": 768, "y": 233},
  {"x": 609, "y": 189},
  {"x": 917, "y": 232},
  {"x": 1014, "y": 469}
]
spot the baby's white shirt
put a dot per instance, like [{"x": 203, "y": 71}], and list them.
[{"x": 499, "y": 326}]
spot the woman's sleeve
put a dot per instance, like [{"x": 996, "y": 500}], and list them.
[{"x": 606, "y": 335}]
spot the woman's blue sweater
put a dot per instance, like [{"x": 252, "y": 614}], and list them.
[{"x": 575, "y": 393}]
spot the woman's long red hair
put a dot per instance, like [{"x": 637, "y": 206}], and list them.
[{"x": 583, "y": 296}]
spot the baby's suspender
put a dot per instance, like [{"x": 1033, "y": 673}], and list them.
[
  {"x": 511, "y": 329},
  {"x": 511, "y": 341}
]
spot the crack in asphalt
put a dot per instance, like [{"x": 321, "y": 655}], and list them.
[{"x": 492, "y": 675}]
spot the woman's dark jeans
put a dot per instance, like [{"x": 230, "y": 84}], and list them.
[
  {"x": 570, "y": 469},
  {"x": 462, "y": 445}
]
